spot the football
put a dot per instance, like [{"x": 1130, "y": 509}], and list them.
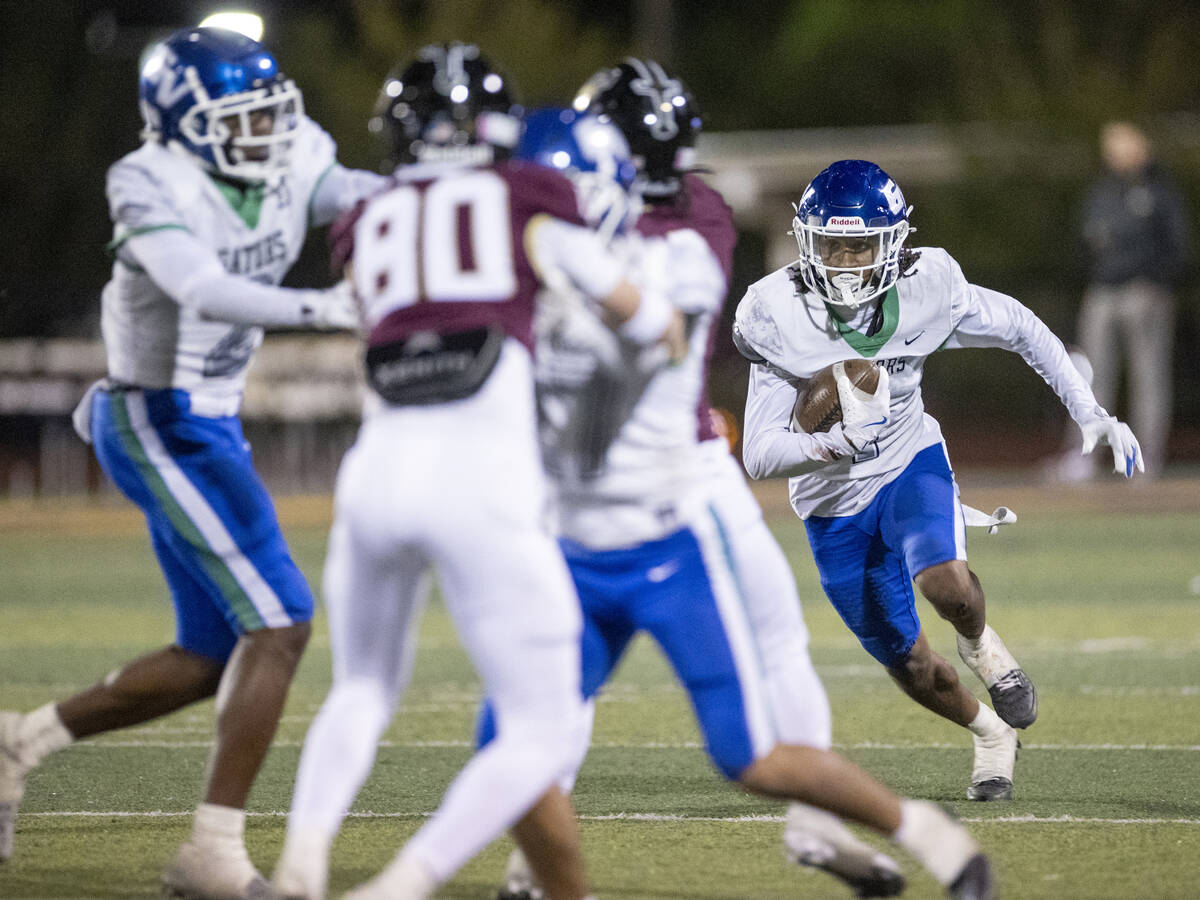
[{"x": 817, "y": 405}]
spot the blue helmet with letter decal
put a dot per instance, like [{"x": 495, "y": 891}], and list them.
[
  {"x": 852, "y": 207},
  {"x": 219, "y": 97},
  {"x": 594, "y": 155}
]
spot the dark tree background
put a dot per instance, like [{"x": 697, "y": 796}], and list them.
[{"x": 1048, "y": 72}]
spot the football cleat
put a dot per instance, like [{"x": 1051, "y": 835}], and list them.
[
  {"x": 1013, "y": 695},
  {"x": 819, "y": 840},
  {"x": 12, "y": 781},
  {"x": 975, "y": 881},
  {"x": 519, "y": 881},
  {"x": 995, "y": 756},
  {"x": 199, "y": 874},
  {"x": 1015, "y": 698}
]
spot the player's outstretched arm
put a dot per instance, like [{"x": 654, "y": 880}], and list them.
[
  {"x": 189, "y": 271},
  {"x": 993, "y": 319}
]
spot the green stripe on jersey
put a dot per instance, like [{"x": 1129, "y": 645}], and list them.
[
  {"x": 118, "y": 239},
  {"x": 869, "y": 346},
  {"x": 214, "y": 566},
  {"x": 246, "y": 202}
]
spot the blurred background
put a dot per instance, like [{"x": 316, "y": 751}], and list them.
[{"x": 986, "y": 114}]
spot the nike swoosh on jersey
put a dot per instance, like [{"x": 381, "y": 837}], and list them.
[{"x": 908, "y": 341}]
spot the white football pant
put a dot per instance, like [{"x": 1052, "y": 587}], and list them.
[{"x": 454, "y": 488}]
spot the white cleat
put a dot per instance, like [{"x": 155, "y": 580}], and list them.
[
  {"x": 13, "y": 770},
  {"x": 1014, "y": 696},
  {"x": 995, "y": 756},
  {"x": 519, "y": 881},
  {"x": 200, "y": 873},
  {"x": 818, "y": 839},
  {"x": 403, "y": 879},
  {"x": 302, "y": 872}
]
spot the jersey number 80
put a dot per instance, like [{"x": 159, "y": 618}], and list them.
[{"x": 450, "y": 241}]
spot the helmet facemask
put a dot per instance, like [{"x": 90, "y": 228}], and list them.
[
  {"x": 863, "y": 259},
  {"x": 249, "y": 134}
]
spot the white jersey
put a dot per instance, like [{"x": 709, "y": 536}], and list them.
[
  {"x": 621, "y": 428},
  {"x": 932, "y": 308},
  {"x": 151, "y": 340}
]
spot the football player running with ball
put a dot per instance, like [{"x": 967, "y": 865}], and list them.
[
  {"x": 662, "y": 535},
  {"x": 209, "y": 215},
  {"x": 876, "y": 492},
  {"x": 445, "y": 476}
]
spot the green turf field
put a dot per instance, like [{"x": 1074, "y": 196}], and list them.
[{"x": 1099, "y": 597}]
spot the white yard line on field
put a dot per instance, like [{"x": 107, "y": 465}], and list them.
[
  {"x": 105, "y": 744},
  {"x": 623, "y": 817}
]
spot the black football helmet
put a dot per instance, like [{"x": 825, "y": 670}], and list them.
[
  {"x": 448, "y": 103},
  {"x": 657, "y": 114}
]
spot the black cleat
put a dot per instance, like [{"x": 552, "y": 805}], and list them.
[
  {"x": 974, "y": 882},
  {"x": 991, "y": 789},
  {"x": 863, "y": 869},
  {"x": 1015, "y": 698}
]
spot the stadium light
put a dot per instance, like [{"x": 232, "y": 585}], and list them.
[{"x": 247, "y": 23}]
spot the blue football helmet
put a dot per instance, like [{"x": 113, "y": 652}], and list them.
[
  {"x": 219, "y": 97},
  {"x": 594, "y": 155},
  {"x": 851, "y": 208}
]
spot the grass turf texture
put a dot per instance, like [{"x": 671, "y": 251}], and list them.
[{"x": 1093, "y": 590}]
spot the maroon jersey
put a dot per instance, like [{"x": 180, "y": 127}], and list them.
[
  {"x": 702, "y": 209},
  {"x": 444, "y": 250}
]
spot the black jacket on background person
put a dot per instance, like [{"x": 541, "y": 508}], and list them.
[{"x": 1136, "y": 227}]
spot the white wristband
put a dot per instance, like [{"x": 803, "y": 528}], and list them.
[{"x": 651, "y": 320}]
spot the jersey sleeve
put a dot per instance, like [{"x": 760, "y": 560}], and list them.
[
  {"x": 697, "y": 281},
  {"x": 138, "y": 202},
  {"x": 556, "y": 249},
  {"x": 756, "y": 329},
  {"x": 340, "y": 190},
  {"x": 329, "y": 187},
  {"x": 992, "y": 319},
  {"x": 190, "y": 273},
  {"x": 769, "y": 446}
]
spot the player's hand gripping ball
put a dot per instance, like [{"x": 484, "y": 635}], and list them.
[{"x": 817, "y": 405}]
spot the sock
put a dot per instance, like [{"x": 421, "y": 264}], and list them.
[
  {"x": 972, "y": 645},
  {"x": 935, "y": 840},
  {"x": 41, "y": 733},
  {"x": 303, "y": 866},
  {"x": 986, "y": 722},
  {"x": 214, "y": 824},
  {"x": 407, "y": 877}
]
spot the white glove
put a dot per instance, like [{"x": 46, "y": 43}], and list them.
[
  {"x": 334, "y": 308},
  {"x": 863, "y": 415},
  {"x": 1127, "y": 453}
]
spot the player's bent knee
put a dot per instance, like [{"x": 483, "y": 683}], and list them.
[
  {"x": 363, "y": 700},
  {"x": 287, "y": 643}
]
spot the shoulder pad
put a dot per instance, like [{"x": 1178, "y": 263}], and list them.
[{"x": 744, "y": 348}]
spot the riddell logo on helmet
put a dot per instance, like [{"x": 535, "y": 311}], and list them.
[{"x": 845, "y": 221}]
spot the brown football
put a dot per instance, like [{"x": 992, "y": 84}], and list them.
[{"x": 817, "y": 405}]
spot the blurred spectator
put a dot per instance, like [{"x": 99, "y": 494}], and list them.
[{"x": 1136, "y": 234}]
